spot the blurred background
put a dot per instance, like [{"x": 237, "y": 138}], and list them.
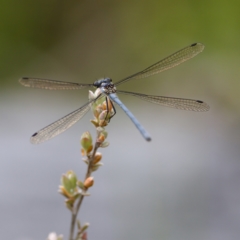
[{"x": 184, "y": 184}]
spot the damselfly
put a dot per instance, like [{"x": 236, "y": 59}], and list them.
[{"x": 108, "y": 90}]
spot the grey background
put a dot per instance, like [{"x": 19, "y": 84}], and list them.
[{"x": 182, "y": 185}]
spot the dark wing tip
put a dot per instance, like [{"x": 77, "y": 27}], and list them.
[
  {"x": 198, "y": 46},
  {"x": 34, "y": 140},
  {"x": 22, "y": 80},
  {"x": 204, "y": 106},
  {"x": 35, "y": 134}
]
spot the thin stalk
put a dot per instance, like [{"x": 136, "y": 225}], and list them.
[{"x": 77, "y": 208}]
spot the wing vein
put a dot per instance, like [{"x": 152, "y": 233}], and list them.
[
  {"x": 60, "y": 125},
  {"x": 168, "y": 62},
  {"x": 178, "y": 103},
  {"x": 51, "y": 84}
]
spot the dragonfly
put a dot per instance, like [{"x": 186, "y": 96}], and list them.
[{"x": 109, "y": 90}]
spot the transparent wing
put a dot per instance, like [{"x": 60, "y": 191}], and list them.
[
  {"x": 60, "y": 125},
  {"x": 178, "y": 103},
  {"x": 51, "y": 84},
  {"x": 168, "y": 62}
]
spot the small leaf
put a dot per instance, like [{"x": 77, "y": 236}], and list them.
[
  {"x": 104, "y": 144},
  {"x": 80, "y": 184}
]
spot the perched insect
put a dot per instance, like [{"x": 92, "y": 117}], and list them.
[{"x": 108, "y": 90}]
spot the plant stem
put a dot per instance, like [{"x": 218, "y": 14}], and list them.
[{"x": 77, "y": 208}]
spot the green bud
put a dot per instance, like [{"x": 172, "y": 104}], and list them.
[
  {"x": 69, "y": 182},
  {"x": 104, "y": 144},
  {"x": 96, "y": 166},
  {"x": 85, "y": 227},
  {"x": 86, "y": 141},
  {"x": 72, "y": 178},
  {"x": 80, "y": 184}
]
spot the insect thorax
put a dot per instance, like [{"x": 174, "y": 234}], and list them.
[{"x": 106, "y": 85}]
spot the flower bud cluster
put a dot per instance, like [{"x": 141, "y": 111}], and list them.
[
  {"x": 87, "y": 147},
  {"x": 102, "y": 109},
  {"x": 69, "y": 188}
]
